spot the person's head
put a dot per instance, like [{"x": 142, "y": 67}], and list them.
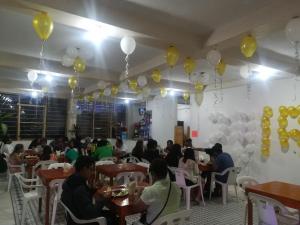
[
  {"x": 217, "y": 149},
  {"x": 158, "y": 169},
  {"x": 85, "y": 166},
  {"x": 19, "y": 148},
  {"x": 188, "y": 143},
  {"x": 176, "y": 150},
  {"x": 169, "y": 143},
  {"x": 7, "y": 140},
  {"x": 188, "y": 154},
  {"x": 43, "y": 141},
  {"x": 151, "y": 145},
  {"x": 47, "y": 151},
  {"x": 119, "y": 142},
  {"x": 71, "y": 144}
]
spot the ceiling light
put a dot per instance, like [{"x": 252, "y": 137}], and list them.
[
  {"x": 264, "y": 73},
  {"x": 96, "y": 35},
  {"x": 127, "y": 101},
  {"x": 48, "y": 78},
  {"x": 34, "y": 94},
  {"x": 172, "y": 92}
]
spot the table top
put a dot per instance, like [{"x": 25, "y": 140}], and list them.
[
  {"x": 112, "y": 170},
  {"x": 287, "y": 194},
  {"x": 48, "y": 175},
  {"x": 207, "y": 167}
]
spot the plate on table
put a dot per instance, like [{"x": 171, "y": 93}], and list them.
[{"x": 120, "y": 192}]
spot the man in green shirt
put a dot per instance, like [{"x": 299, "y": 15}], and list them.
[{"x": 104, "y": 149}]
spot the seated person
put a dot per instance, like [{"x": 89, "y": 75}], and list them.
[
  {"x": 104, "y": 149},
  {"x": 78, "y": 196},
  {"x": 151, "y": 152},
  {"x": 174, "y": 155},
  {"x": 71, "y": 152},
  {"x": 7, "y": 147},
  {"x": 163, "y": 197},
  {"x": 188, "y": 163},
  {"x": 169, "y": 146},
  {"x": 138, "y": 150},
  {"x": 46, "y": 153},
  {"x": 119, "y": 148},
  {"x": 16, "y": 158}
]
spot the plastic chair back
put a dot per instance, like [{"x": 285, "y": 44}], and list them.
[
  {"x": 113, "y": 159},
  {"x": 178, "y": 218},
  {"x": 232, "y": 175},
  {"x": 57, "y": 186},
  {"x": 145, "y": 161},
  {"x": 42, "y": 165},
  {"x": 99, "y": 220},
  {"x": 265, "y": 207},
  {"x": 106, "y": 162},
  {"x": 131, "y": 159},
  {"x": 180, "y": 177},
  {"x": 130, "y": 176},
  {"x": 59, "y": 165},
  {"x": 244, "y": 181}
]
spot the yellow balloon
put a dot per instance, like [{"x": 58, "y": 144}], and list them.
[
  {"x": 114, "y": 90},
  {"x": 283, "y": 111},
  {"x": 189, "y": 65},
  {"x": 198, "y": 87},
  {"x": 298, "y": 120},
  {"x": 45, "y": 89},
  {"x": 81, "y": 98},
  {"x": 43, "y": 25},
  {"x": 163, "y": 92},
  {"x": 268, "y": 111},
  {"x": 295, "y": 134},
  {"x": 293, "y": 112},
  {"x": 298, "y": 143},
  {"x": 284, "y": 143},
  {"x": 133, "y": 85},
  {"x": 72, "y": 81},
  {"x": 101, "y": 92},
  {"x": 265, "y": 151},
  {"x": 298, "y": 108},
  {"x": 266, "y": 141},
  {"x": 248, "y": 46},
  {"x": 282, "y": 133},
  {"x": 186, "y": 96},
  {"x": 221, "y": 67},
  {"x": 266, "y": 123},
  {"x": 90, "y": 98},
  {"x": 156, "y": 75},
  {"x": 79, "y": 65},
  {"x": 266, "y": 131},
  {"x": 172, "y": 55},
  {"x": 283, "y": 122}
]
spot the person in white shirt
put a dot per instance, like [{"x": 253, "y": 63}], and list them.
[
  {"x": 7, "y": 146},
  {"x": 163, "y": 197}
]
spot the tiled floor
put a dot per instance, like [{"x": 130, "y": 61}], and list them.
[
  {"x": 214, "y": 213},
  {"x": 6, "y": 210}
]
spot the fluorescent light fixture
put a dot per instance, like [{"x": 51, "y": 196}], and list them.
[
  {"x": 126, "y": 101},
  {"x": 34, "y": 94},
  {"x": 95, "y": 35},
  {"x": 48, "y": 78},
  {"x": 264, "y": 73},
  {"x": 171, "y": 92}
]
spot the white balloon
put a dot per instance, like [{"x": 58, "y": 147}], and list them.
[
  {"x": 102, "y": 84},
  {"x": 250, "y": 148},
  {"x": 107, "y": 92},
  {"x": 124, "y": 86},
  {"x": 128, "y": 45},
  {"x": 245, "y": 72},
  {"x": 86, "y": 53},
  {"x": 142, "y": 81},
  {"x": 72, "y": 52},
  {"x": 244, "y": 157},
  {"x": 95, "y": 95},
  {"x": 213, "y": 57},
  {"x": 213, "y": 118},
  {"x": 67, "y": 61},
  {"x": 32, "y": 75},
  {"x": 292, "y": 30}
]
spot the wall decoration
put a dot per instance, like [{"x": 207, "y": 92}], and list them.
[{"x": 266, "y": 131}]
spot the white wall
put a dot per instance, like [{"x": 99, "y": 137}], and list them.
[
  {"x": 164, "y": 118},
  {"x": 184, "y": 114},
  {"x": 279, "y": 166}
]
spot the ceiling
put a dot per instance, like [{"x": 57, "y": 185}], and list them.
[{"x": 194, "y": 26}]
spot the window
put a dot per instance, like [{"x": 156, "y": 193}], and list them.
[
  {"x": 100, "y": 119},
  {"x": 33, "y": 117}
]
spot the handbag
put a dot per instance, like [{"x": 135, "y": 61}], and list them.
[{"x": 143, "y": 217}]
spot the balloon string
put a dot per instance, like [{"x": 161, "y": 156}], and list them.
[
  {"x": 42, "y": 64},
  {"x": 249, "y": 87},
  {"x": 126, "y": 66},
  {"x": 215, "y": 92}
]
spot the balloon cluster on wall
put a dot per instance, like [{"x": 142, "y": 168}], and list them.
[
  {"x": 284, "y": 135},
  {"x": 266, "y": 131},
  {"x": 238, "y": 134}
]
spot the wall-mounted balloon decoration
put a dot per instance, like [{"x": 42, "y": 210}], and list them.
[
  {"x": 172, "y": 56},
  {"x": 266, "y": 131},
  {"x": 248, "y": 46},
  {"x": 189, "y": 65},
  {"x": 156, "y": 76}
]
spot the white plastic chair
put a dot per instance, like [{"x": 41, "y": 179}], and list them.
[
  {"x": 180, "y": 175},
  {"x": 99, "y": 220},
  {"x": 114, "y": 159},
  {"x": 178, "y": 218},
  {"x": 146, "y": 165},
  {"x": 31, "y": 195},
  {"x": 10, "y": 173},
  {"x": 42, "y": 165},
  {"x": 231, "y": 180},
  {"x": 56, "y": 185},
  {"x": 60, "y": 165},
  {"x": 130, "y": 159},
  {"x": 266, "y": 211},
  {"x": 126, "y": 177},
  {"x": 106, "y": 162},
  {"x": 145, "y": 161}
]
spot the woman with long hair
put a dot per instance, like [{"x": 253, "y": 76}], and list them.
[{"x": 138, "y": 150}]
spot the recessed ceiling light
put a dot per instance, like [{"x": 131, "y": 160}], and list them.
[
  {"x": 34, "y": 94},
  {"x": 171, "y": 92},
  {"x": 48, "y": 78},
  {"x": 264, "y": 73},
  {"x": 127, "y": 101},
  {"x": 96, "y": 35}
]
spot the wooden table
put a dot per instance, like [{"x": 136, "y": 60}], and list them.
[
  {"x": 46, "y": 177},
  {"x": 124, "y": 207},
  {"x": 112, "y": 170},
  {"x": 287, "y": 194}
]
